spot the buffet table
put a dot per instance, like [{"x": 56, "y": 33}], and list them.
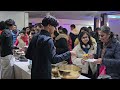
[
  {"x": 80, "y": 77},
  {"x": 21, "y": 64},
  {"x": 22, "y": 71},
  {"x": 83, "y": 77}
]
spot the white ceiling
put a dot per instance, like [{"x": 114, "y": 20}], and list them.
[{"x": 76, "y": 15}]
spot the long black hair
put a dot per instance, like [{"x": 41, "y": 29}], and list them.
[
  {"x": 80, "y": 38},
  {"x": 84, "y": 28},
  {"x": 2, "y": 25}
]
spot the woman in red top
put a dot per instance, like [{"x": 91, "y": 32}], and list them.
[{"x": 22, "y": 40}]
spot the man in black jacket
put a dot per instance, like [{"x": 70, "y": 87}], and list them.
[
  {"x": 42, "y": 51},
  {"x": 6, "y": 51}
]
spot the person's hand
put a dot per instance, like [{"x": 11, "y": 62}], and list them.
[
  {"x": 98, "y": 61},
  {"x": 21, "y": 49},
  {"x": 83, "y": 61},
  {"x": 73, "y": 53},
  {"x": 55, "y": 48},
  {"x": 85, "y": 56},
  {"x": 91, "y": 56}
]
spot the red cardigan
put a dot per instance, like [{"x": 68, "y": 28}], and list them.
[{"x": 25, "y": 39}]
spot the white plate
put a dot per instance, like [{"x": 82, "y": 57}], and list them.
[
  {"x": 26, "y": 46},
  {"x": 91, "y": 60}
]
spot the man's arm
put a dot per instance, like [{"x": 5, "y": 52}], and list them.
[{"x": 54, "y": 58}]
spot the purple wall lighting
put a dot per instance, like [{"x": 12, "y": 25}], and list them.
[{"x": 114, "y": 25}]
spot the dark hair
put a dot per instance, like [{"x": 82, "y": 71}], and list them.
[
  {"x": 24, "y": 28},
  {"x": 2, "y": 25},
  {"x": 64, "y": 30},
  {"x": 60, "y": 28},
  {"x": 72, "y": 26},
  {"x": 117, "y": 35},
  {"x": 90, "y": 27},
  {"x": 39, "y": 25},
  {"x": 56, "y": 33},
  {"x": 10, "y": 22},
  {"x": 111, "y": 34},
  {"x": 31, "y": 26},
  {"x": 22, "y": 31},
  {"x": 50, "y": 20},
  {"x": 97, "y": 28},
  {"x": 85, "y": 29},
  {"x": 32, "y": 32},
  {"x": 81, "y": 35},
  {"x": 30, "y": 23}
]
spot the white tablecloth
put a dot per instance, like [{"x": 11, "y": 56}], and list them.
[
  {"x": 22, "y": 71},
  {"x": 83, "y": 77}
]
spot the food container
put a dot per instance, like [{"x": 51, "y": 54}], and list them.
[
  {"x": 60, "y": 63},
  {"x": 55, "y": 69},
  {"x": 69, "y": 71}
]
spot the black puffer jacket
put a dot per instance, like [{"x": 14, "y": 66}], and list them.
[{"x": 61, "y": 43}]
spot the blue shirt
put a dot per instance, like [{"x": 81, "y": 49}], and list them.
[{"x": 14, "y": 37}]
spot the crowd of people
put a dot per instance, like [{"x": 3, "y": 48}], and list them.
[
  {"x": 10, "y": 39},
  {"x": 49, "y": 44}
]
